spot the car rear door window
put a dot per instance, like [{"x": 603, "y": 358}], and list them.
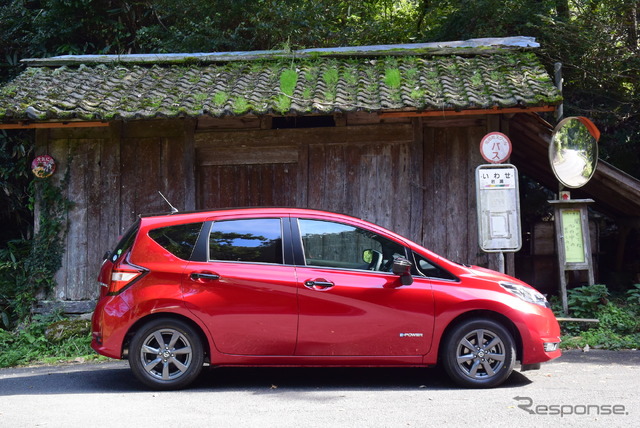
[
  {"x": 246, "y": 240},
  {"x": 179, "y": 240}
]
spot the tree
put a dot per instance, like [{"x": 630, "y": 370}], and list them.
[{"x": 597, "y": 41}]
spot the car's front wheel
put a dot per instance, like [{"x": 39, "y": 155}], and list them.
[
  {"x": 166, "y": 354},
  {"x": 478, "y": 353}
]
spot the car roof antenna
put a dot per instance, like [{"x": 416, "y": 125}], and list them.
[{"x": 173, "y": 209}]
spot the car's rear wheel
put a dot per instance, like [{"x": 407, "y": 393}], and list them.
[
  {"x": 166, "y": 354},
  {"x": 478, "y": 353}
]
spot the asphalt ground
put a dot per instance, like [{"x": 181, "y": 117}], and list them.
[{"x": 596, "y": 388}]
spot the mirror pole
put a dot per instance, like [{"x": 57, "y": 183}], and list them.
[
  {"x": 557, "y": 68},
  {"x": 560, "y": 189}
]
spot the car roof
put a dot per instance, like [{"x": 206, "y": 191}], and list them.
[{"x": 201, "y": 215}]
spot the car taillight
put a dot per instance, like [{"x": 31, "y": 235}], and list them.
[{"x": 122, "y": 277}]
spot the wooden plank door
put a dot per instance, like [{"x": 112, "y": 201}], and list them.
[{"x": 234, "y": 175}]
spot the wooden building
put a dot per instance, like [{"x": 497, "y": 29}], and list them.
[{"x": 387, "y": 133}]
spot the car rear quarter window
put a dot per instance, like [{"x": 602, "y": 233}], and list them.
[
  {"x": 179, "y": 240},
  {"x": 125, "y": 242},
  {"x": 246, "y": 240}
]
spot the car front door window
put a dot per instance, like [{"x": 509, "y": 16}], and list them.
[{"x": 337, "y": 245}]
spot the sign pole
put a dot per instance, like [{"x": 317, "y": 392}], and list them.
[
  {"x": 498, "y": 204},
  {"x": 498, "y": 199}
]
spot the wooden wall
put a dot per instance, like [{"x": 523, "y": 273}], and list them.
[
  {"x": 366, "y": 171},
  {"x": 451, "y": 155},
  {"x": 415, "y": 176},
  {"x": 114, "y": 174}
]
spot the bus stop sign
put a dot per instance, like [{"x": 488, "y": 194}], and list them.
[{"x": 498, "y": 204}]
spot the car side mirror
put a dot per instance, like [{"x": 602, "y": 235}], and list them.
[{"x": 402, "y": 267}]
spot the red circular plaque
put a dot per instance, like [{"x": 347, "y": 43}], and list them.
[
  {"x": 43, "y": 166},
  {"x": 495, "y": 147}
]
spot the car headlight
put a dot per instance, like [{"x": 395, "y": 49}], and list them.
[{"x": 525, "y": 293}]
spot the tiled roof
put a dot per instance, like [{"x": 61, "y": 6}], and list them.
[{"x": 278, "y": 86}]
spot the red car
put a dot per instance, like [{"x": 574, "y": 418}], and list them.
[{"x": 283, "y": 287}]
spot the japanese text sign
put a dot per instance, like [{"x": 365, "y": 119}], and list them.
[
  {"x": 498, "y": 204},
  {"x": 495, "y": 147},
  {"x": 573, "y": 236}
]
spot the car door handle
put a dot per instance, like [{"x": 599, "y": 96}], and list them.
[
  {"x": 202, "y": 275},
  {"x": 318, "y": 284}
]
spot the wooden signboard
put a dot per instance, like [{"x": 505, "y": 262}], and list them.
[{"x": 572, "y": 241}]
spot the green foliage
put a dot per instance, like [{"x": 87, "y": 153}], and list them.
[
  {"x": 13, "y": 302},
  {"x": 619, "y": 322},
  {"x": 288, "y": 80},
  {"x": 596, "y": 40},
  {"x": 283, "y": 103},
  {"x": 633, "y": 295},
  {"x": 330, "y": 77},
  {"x": 602, "y": 339},
  {"x": 15, "y": 153},
  {"x": 350, "y": 77},
  {"x": 240, "y": 105},
  {"x": 219, "y": 98},
  {"x": 584, "y": 302},
  {"x": 392, "y": 78},
  {"x": 46, "y": 338},
  {"x": 28, "y": 264},
  {"x": 307, "y": 93}
]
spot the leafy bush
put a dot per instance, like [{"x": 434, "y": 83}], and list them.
[
  {"x": 47, "y": 338},
  {"x": 584, "y": 302},
  {"x": 633, "y": 295},
  {"x": 28, "y": 266},
  {"x": 618, "y": 326}
]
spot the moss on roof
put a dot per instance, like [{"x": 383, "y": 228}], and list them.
[{"x": 278, "y": 87}]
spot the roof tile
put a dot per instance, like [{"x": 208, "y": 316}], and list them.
[{"x": 322, "y": 85}]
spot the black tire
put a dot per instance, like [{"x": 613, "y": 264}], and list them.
[
  {"x": 166, "y": 354},
  {"x": 478, "y": 353}
]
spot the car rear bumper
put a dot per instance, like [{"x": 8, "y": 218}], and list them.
[{"x": 110, "y": 322}]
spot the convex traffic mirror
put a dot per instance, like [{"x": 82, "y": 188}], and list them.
[{"x": 573, "y": 152}]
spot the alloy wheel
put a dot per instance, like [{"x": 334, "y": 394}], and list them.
[
  {"x": 480, "y": 354},
  {"x": 166, "y": 354}
]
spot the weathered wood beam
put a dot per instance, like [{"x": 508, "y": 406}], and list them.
[
  {"x": 449, "y": 113},
  {"x": 48, "y": 125}
]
